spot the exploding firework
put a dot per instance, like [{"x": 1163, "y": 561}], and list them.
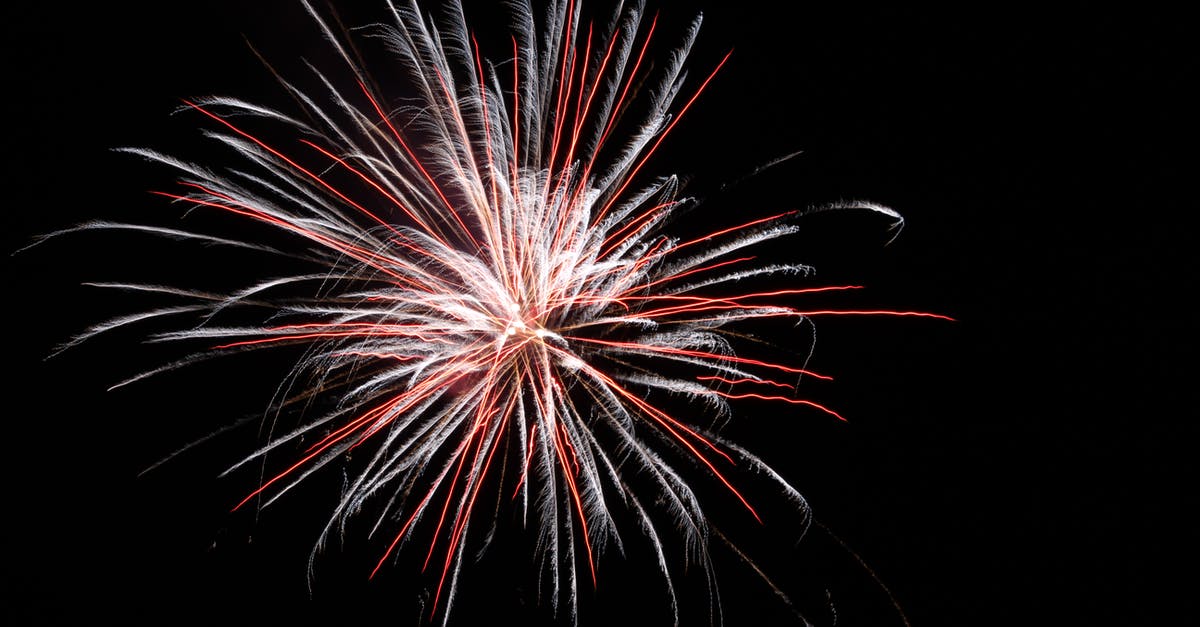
[{"x": 488, "y": 293}]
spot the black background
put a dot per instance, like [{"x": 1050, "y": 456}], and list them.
[{"x": 1025, "y": 464}]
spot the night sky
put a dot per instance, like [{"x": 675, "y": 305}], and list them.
[{"x": 1024, "y": 464}]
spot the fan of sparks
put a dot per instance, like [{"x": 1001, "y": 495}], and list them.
[{"x": 487, "y": 294}]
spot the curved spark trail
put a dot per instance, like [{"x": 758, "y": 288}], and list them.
[{"x": 488, "y": 290}]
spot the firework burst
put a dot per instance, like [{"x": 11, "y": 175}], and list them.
[{"x": 487, "y": 292}]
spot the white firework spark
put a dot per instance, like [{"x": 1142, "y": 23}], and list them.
[{"x": 488, "y": 290}]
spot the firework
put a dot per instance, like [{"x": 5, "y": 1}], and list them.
[{"x": 488, "y": 293}]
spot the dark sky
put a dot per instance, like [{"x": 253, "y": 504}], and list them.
[{"x": 1022, "y": 465}]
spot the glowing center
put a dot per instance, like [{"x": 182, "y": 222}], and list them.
[{"x": 516, "y": 324}]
